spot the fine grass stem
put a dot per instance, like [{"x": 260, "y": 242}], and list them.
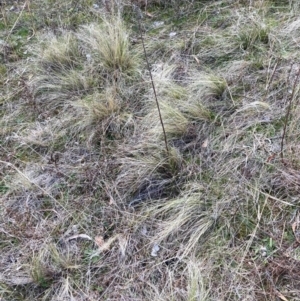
[{"x": 288, "y": 113}]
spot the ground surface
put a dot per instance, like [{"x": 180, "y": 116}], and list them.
[{"x": 101, "y": 199}]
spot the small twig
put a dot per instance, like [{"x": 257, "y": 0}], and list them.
[
  {"x": 4, "y": 15},
  {"x": 17, "y": 20},
  {"x": 139, "y": 16},
  {"x": 288, "y": 113},
  {"x": 272, "y": 76}
]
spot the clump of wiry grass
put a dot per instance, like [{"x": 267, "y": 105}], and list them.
[
  {"x": 208, "y": 86},
  {"x": 189, "y": 100},
  {"x": 175, "y": 122},
  {"x": 102, "y": 114},
  {"x": 181, "y": 218},
  {"x": 99, "y": 107},
  {"x": 108, "y": 45},
  {"x": 249, "y": 37},
  {"x": 149, "y": 172},
  {"x": 186, "y": 116},
  {"x": 259, "y": 35},
  {"x": 59, "y": 53},
  {"x": 59, "y": 71},
  {"x": 71, "y": 72}
]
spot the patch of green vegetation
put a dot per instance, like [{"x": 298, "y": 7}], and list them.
[
  {"x": 252, "y": 38},
  {"x": 245, "y": 228},
  {"x": 289, "y": 236},
  {"x": 3, "y": 73},
  {"x": 3, "y": 188},
  {"x": 22, "y": 32}
]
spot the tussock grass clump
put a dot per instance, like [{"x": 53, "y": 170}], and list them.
[
  {"x": 254, "y": 30},
  {"x": 70, "y": 73},
  {"x": 41, "y": 270},
  {"x": 183, "y": 103},
  {"x": 191, "y": 214},
  {"x": 59, "y": 53},
  {"x": 251, "y": 35},
  {"x": 102, "y": 114},
  {"x": 174, "y": 121},
  {"x": 207, "y": 91},
  {"x": 149, "y": 173},
  {"x": 98, "y": 107},
  {"x": 166, "y": 86},
  {"x": 208, "y": 86},
  {"x": 186, "y": 116},
  {"x": 109, "y": 45},
  {"x": 59, "y": 71}
]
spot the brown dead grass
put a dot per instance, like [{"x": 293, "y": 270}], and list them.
[{"x": 94, "y": 207}]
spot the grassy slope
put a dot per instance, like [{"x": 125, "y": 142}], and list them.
[{"x": 93, "y": 206}]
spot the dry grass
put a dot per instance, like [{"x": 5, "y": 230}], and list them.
[
  {"x": 94, "y": 207},
  {"x": 108, "y": 45}
]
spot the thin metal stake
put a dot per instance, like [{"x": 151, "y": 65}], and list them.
[{"x": 139, "y": 16}]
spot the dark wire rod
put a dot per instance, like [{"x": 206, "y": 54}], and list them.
[{"x": 139, "y": 16}]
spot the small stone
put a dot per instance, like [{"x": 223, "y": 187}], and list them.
[
  {"x": 157, "y": 24},
  {"x": 155, "y": 250}
]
